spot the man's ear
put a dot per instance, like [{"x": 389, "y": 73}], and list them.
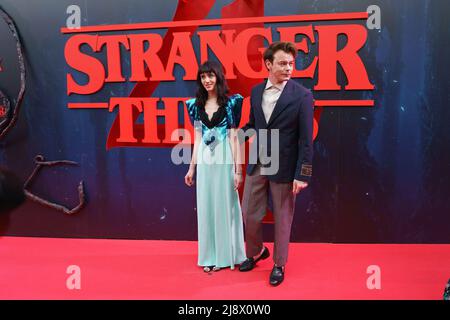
[{"x": 268, "y": 64}]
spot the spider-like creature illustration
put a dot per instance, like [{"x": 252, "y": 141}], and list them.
[{"x": 11, "y": 192}]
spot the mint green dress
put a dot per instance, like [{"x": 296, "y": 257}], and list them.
[{"x": 220, "y": 226}]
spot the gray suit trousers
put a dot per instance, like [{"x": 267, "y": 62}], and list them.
[{"x": 254, "y": 207}]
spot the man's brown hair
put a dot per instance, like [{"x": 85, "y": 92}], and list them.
[{"x": 287, "y": 47}]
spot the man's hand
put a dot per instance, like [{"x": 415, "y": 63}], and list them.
[{"x": 298, "y": 186}]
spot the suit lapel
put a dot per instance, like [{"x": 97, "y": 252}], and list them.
[
  {"x": 258, "y": 102},
  {"x": 282, "y": 102}
]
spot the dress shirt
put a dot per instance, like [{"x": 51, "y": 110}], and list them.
[{"x": 270, "y": 97}]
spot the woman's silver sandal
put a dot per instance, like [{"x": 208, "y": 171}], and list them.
[{"x": 208, "y": 268}]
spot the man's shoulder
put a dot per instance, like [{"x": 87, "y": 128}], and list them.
[
  {"x": 301, "y": 90},
  {"x": 259, "y": 86}
]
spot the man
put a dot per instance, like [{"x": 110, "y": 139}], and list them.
[{"x": 277, "y": 104}]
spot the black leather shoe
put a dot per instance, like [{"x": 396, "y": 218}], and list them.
[
  {"x": 250, "y": 263},
  {"x": 276, "y": 276}
]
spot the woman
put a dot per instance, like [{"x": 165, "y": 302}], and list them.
[{"x": 219, "y": 173}]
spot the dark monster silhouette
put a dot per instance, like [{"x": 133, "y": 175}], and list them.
[{"x": 12, "y": 192}]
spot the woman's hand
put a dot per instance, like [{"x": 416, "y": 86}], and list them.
[
  {"x": 189, "y": 178},
  {"x": 237, "y": 180}
]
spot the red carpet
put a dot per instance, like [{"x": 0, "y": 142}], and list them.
[{"x": 36, "y": 268}]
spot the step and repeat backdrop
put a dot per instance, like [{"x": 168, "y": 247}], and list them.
[{"x": 93, "y": 120}]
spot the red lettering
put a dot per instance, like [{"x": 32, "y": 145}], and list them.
[
  {"x": 113, "y": 56},
  {"x": 222, "y": 49},
  {"x": 347, "y": 57},
  {"x": 151, "y": 114},
  {"x": 289, "y": 34},
  {"x": 183, "y": 54},
  {"x": 141, "y": 58},
  {"x": 85, "y": 64},
  {"x": 230, "y": 48},
  {"x": 245, "y": 66},
  {"x": 126, "y": 109}
]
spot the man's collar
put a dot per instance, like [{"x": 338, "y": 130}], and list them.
[{"x": 279, "y": 86}]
